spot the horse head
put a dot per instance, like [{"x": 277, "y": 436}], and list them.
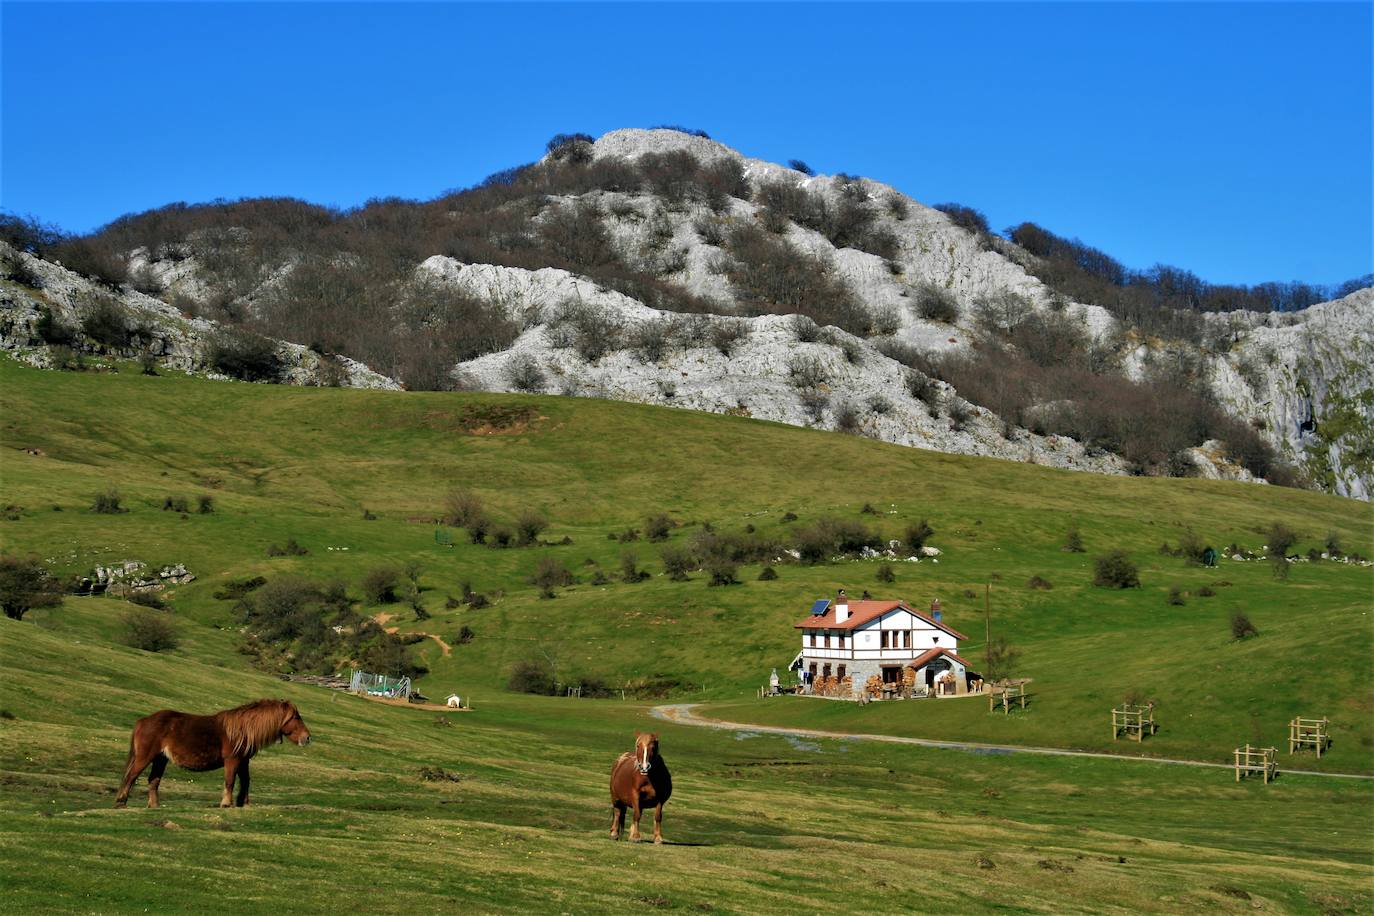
[
  {"x": 293, "y": 727},
  {"x": 646, "y": 751}
]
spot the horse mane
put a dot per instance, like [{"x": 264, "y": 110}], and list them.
[{"x": 250, "y": 726}]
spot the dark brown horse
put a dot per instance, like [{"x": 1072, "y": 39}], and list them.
[
  {"x": 227, "y": 739},
  {"x": 639, "y": 780}
]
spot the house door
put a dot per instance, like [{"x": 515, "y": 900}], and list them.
[{"x": 935, "y": 669}]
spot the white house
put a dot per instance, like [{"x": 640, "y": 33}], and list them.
[{"x": 860, "y": 639}]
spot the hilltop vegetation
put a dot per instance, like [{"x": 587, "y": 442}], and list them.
[{"x": 1031, "y": 336}]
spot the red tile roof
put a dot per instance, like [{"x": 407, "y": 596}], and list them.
[
  {"x": 930, "y": 655},
  {"x": 861, "y": 612}
]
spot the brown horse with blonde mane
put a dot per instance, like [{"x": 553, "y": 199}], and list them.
[
  {"x": 639, "y": 780},
  {"x": 226, "y": 739}
]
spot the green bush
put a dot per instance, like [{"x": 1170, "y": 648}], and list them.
[
  {"x": 886, "y": 573},
  {"x": 379, "y": 585},
  {"x": 1115, "y": 570},
  {"x": 108, "y": 503},
  {"x": 150, "y": 630},
  {"x": 677, "y": 562},
  {"x": 531, "y": 676}
]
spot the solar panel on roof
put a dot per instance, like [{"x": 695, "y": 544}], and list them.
[{"x": 819, "y": 608}]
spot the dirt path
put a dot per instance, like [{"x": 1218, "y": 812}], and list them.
[
  {"x": 682, "y": 714},
  {"x": 383, "y": 617}
]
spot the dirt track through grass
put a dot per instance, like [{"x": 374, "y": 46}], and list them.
[{"x": 682, "y": 714}]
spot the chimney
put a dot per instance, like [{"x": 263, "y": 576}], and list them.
[
  {"x": 935, "y": 610},
  {"x": 841, "y": 607}
]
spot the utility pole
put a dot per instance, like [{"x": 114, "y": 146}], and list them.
[{"x": 987, "y": 625}]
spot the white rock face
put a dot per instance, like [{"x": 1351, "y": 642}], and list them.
[
  {"x": 1307, "y": 380},
  {"x": 177, "y": 341},
  {"x": 755, "y": 379}
]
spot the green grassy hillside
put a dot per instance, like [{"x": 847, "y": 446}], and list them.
[
  {"x": 766, "y": 823},
  {"x": 516, "y": 821},
  {"x": 304, "y": 463}
]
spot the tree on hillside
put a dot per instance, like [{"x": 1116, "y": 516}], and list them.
[
  {"x": 1281, "y": 539},
  {"x": 1000, "y": 659},
  {"x": 1115, "y": 570},
  {"x": 25, "y": 585}
]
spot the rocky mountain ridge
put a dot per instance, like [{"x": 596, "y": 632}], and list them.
[{"x": 860, "y": 255}]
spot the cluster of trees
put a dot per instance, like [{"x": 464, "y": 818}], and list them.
[
  {"x": 297, "y": 624},
  {"x": 1088, "y": 274},
  {"x": 1041, "y": 371}
]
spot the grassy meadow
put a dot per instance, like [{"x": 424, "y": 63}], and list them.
[{"x": 522, "y": 823}]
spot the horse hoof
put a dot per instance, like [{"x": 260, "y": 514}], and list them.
[
  {"x": 121, "y": 804},
  {"x": 658, "y": 841}
]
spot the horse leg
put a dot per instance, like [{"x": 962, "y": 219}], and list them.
[
  {"x": 139, "y": 758},
  {"x": 658, "y": 825},
  {"x": 634, "y": 825},
  {"x": 155, "y": 778},
  {"x": 231, "y": 769},
  {"x": 617, "y": 819},
  {"x": 243, "y": 784}
]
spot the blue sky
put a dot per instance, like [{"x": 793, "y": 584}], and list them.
[{"x": 1231, "y": 139}]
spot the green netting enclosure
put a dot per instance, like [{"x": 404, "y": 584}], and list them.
[{"x": 379, "y": 685}]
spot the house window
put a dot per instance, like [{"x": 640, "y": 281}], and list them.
[
  {"x": 840, "y": 639},
  {"x": 827, "y": 639},
  {"x": 906, "y": 639},
  {"x": 813, "y": 671},
  {"x": 892, "y": 675},
  {"x": 840, "y": 672},
  {"x": 825, "y": 672}
]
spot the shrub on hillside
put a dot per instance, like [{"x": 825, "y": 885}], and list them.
[
  {"x": 629, "y": 568},
  {"x": 916, "y": 535},
  {"x": 175, "y": 504},
  {"x": 93, "y": 258},
  {"x": 531, "y": 676},
  {"x": 148, "y": 599},
  {"x": 1039, "y": 583},
  {"x": 657, "y": 526},
  {"x": 550, "y": 574},
  {"x": 797, "y": 165},
  {"x": 722, "y": 571},
  {"x": 1241, "y": 627},
  {"x": 886, "y": 574},
  {"x": 1001, "y": 660},
  {"x": 1115, "y": 570},
  {"x": 108, "y": 503},
  {"x": 768, "y": 574},
  {"x": 677, "y": 562},
  {"x": 463, "y": 507},
  {"x": 1175, "y": 596},
  {"x": 24, "y": 585},
  {"x": 1073, "y": 541},
  {"x": 289, "y": 549},
  {"x": 150, "y": 630},
  {"x": 244, "y": 355},
  {"x": 529, "y": 524},
  {"x": 379, "y": 585},
  {"x": 827, "y": 537},
  {"x": 966, "y": 218},
  {"x": 1280, "y": 540},
  {"x": 726, "y": 335},
  {"x": 524, "y": 374},
  {"x": 106, "y": 323},
  {"x": 934, "y": 303}
]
